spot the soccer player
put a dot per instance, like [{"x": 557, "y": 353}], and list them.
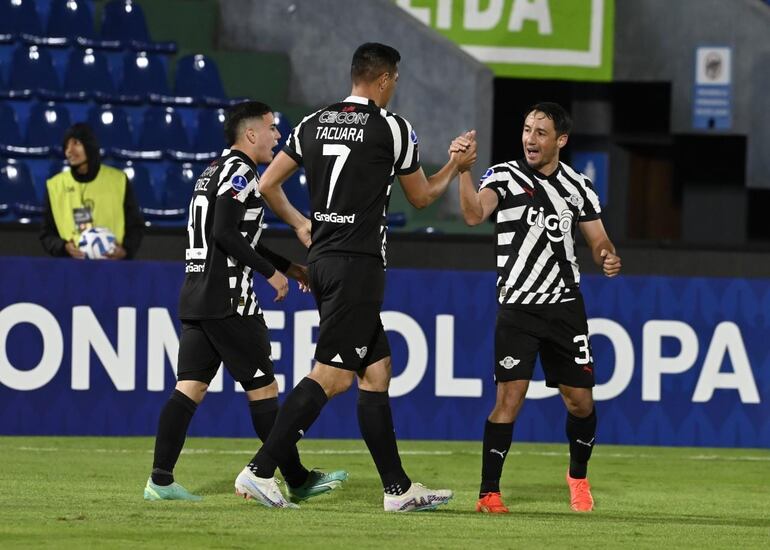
[
  {"x": 539, "y": 202},
  {"x": 351, "y": 151},
  {"x": 221, "y": 318}
]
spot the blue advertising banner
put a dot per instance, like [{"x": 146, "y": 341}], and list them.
[{"x": 89, "y": 348}]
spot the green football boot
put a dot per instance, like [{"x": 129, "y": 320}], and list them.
[
  {"x": 317, "y": 483},
  {"x": 167, "y": 492}
]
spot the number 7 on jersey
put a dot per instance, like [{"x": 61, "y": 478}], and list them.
[{"x": 341, "y": 152}]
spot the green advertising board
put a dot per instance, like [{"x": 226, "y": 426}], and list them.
[{"x": 553, "y": 39}]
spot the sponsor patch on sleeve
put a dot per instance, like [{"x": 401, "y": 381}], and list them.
[
  {"x": 239, "y": 182},
  {"x": 413, "y": 137}
]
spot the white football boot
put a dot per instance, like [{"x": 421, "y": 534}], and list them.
[
  {"x": 417, "y": 498},
  {"x": 262, "y": 490}
]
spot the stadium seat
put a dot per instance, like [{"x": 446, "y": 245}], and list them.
[
  {"x": 46, "y": 126},
  {"x": 123, "y": 20},
  {"x": 163, "y": 131},
  {"x": 198, "y": 76},
  {"x": 111, "y": 127},
  {"x": 139, "y": 178},
  {"x": 71, "y": 19},
  {"x": 20, "y": 18},
  {"x": 15, "y": 178},
  {"x": 88, "y": 76},
  {"x": 9, "y": 128},
  {"x": 144, "y": 77},
  {"x": 284, "y": 126},
  {"x": 32, "y": 72},
  {"x": 210, "y": 136},
  {"x": 180, "y": 179}
]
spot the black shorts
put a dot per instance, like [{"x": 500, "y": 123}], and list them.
[
  {"x": 559, "y": 332},
  {"x": 240, "y": 342},
  {"x": 348, "y": 291}
]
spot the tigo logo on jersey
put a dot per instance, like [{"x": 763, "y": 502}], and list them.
[
  {"x": 239, "y": 183},
  {"x": 552, "y": 222},
  {"x": 509, "y": 362}
]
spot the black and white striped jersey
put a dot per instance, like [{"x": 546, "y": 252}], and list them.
[
  {"x": 217, "y": 285},
  {"x": 351, "y": 152},
  {"x": 536, "y": 222}
]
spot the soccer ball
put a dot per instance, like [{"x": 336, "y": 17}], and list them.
[{"x": 96, "y": 243}]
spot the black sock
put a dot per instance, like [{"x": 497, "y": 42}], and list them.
[
  {"x": 497, "y": 442},
  {"x": 581, "y": 433},
  {"x": 376, "y": 423},
  {"x": 172, "y": 431},
  {"x": 263, "y": 414},
  {"x": 300, "y": 409}
]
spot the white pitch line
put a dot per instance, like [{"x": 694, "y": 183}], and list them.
[{"x": 194, "y": 451}]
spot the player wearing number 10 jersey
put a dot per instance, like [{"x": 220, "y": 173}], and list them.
[
  {"x": 352, "y": 151},
  {"x": 539, "y": 203},
  {"x": 221, "y": 319}
]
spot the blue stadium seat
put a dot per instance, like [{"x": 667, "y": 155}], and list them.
[
  {"x": 180, "y": 179},
  {"x": 32, "y": 72},
  {"x": 9, "y": 128},
  {"x": 88, "y": 76},
  {"x": 111, "y": 127},
  {"x": 144, "y": 77},
  {"x": 55, "y": 166},
  {"x": 163, "y": 130},
  {"x": 71, "y": 19},
  {"x": 139, "y": 178},
  {"x": 20, "y": 17},
  {"x": 210, "y": 135},
  {"x": 15, "y": 178},
  {"x": 297, "y": 192},
  {"x": 46, "y": 126},
  {"x": 198, "y": 76},
  {"x": 284, "y": 126},
  {"x": 124, "y": 20}
]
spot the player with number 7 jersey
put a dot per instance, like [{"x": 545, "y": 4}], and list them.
[{"x": 352, "y": 151}]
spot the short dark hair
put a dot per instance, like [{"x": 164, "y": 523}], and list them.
[
  {"x": 240, "y": 112},
  {"x": 372, "y": 59},
  {"x": 562, "y": 122}
]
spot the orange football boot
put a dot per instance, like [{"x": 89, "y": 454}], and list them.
[
  {"x": 491, "y": 503},
  {"x": 580, "y": 498}
]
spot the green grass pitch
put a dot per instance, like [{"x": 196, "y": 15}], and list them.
[{"x": 78, "y": 492}]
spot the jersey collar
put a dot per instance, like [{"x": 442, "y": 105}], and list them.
[
  {"x": 358, "y": 99},
  {"x": 241, "y": 155},
  {"x": 523, "y": 162}
]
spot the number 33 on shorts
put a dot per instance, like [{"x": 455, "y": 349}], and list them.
[{"x": 584, "y": 350}]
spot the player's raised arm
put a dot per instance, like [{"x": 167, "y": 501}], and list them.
[
  {"x": 279, "y": 170},
  {"x": 602, "y": 249},
  {"x": 422, "y": 191},
  {"x": 476, "y": 206}
]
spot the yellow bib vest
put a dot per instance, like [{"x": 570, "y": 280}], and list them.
[{"x": 105, "y": 192}]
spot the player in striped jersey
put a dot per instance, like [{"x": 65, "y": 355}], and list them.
[
  {"x": 221, "y": 318},
  {"x": 538, "y": 203},
  {"x": 352, "y": 151}
]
